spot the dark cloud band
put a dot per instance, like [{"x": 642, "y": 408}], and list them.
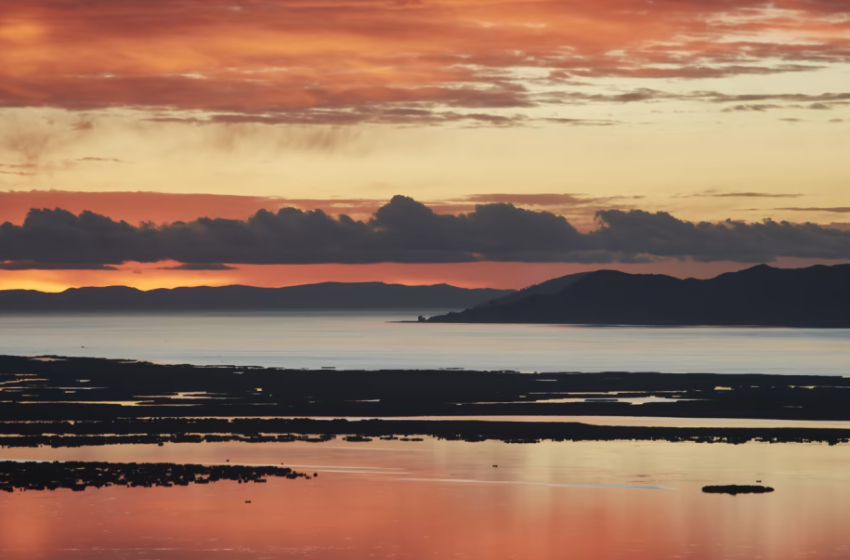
[{"x": 404, "y": 231}]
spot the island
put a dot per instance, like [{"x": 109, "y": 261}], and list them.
[
  {"x": 816, "y": 297},
  {"x": 326, "y": 295}
]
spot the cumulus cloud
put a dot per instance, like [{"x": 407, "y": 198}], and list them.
[
  {"x": 136, "y": 207},
  {"x": 406, "y": 231},
  {"x": 662, "y": 235}
]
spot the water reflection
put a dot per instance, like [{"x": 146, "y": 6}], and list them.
[
  {"x": 374, "y": 340},
  {"x": 436, "y": 499}
]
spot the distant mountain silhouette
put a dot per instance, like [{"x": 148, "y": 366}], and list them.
[
  {"x": 329, "y": 295},
  {"x": 812, "y": 297}
]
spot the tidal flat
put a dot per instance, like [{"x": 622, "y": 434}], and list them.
[
  {"x": 416, "y": 463},
  {"x": 71, "y": 402},
  {"x": 66, "y": 388}
]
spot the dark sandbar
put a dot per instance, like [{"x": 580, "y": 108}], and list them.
[
  {"x": 78, "y": 476},
  {"x": 279, "y": 430},
  {"x": 735, "y": 489}
]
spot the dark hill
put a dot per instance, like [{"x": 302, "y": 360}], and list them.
[
  {"x": 330, "y": 295},
  {"x": 808, "y": 297}
]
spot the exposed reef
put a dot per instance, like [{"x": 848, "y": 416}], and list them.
[
  {"x": 160, "y": 431},
  {"x": 735, "y": 489},
  {"x": 78, "y": 476},
  {"x": 98, "y": 389}
]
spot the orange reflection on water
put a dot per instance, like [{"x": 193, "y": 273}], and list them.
[
  {"x": 446, "y": 500},
  {"x": 24, "y": 528}
]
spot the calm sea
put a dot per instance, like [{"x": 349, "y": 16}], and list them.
[
  {"x": 381, "y": 340},
  {"x": 445, "y": 500}
]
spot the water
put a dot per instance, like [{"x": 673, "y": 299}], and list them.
[
  {"x": 377, "y": 340},
  {"x": 441, "y": 499},
  {"x": 437, "y": 499}
]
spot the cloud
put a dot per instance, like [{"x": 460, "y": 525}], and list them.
[
  {"x": 349, "y": 61},
  {"x": 39, "y": 142},
  {"x": 32, "y": 265},
  {"x": 91, "y": 159},
  {"x": 818, "y": 99},
  {"x": 747, "y": 195},
  {"x": 232, "y": 133},
  {"x": 834, "y": 209},
  {"x": 199, "y": 266},
  {"x": 406, "y": 231},
  {"x": 134, "y": 207},
  {"x": 579, "y": 209},
  {"x": 158, "y": 207},
  {"x": 743, "y": 103},
  {"x": 338, "y": 118},
  {"x": 33, "y": 143},
  {"x": 750, "y": 108},
  {"x": 662, "y": 235},
  {"x": 20, "y": 170},
  {"x": 544, "y": 199},
  {"x": 760, "y": 102}
]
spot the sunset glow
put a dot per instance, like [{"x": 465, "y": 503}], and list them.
[{"x": 162, "y": 112}]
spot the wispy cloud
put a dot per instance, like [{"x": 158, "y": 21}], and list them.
[
  {"x": 199, "y": 266},
  {"x": 746, "y": 195},
  {"x": 833, "y": 209},
  {"x": 280, "y": 61}
]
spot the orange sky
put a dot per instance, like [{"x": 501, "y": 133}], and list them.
[
  {"x": 273, "y": 60},
  {"x": 164, "y": 111},
  {"x": 161, "y": 207},
  {"x": 467, "y": 275}
]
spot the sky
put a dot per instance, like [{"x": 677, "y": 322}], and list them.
[{"x": 159, "y": 143}]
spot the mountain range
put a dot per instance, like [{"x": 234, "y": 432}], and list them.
[
  {"x": 818, "y": 296},
  {"x": 329, "y": 295}
]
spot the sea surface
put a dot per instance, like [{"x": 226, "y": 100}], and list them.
[
  {"x": 437, "y": 499},
  {"x": 441, "y": 499},
  {"x": 392, "y": 339}
]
